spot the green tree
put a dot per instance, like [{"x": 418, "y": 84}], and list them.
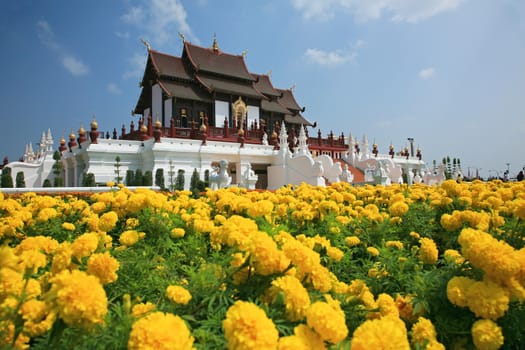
[
  {"x": 179, "y": 182},
  {"x": 138, "y": 178},
  {"x": 47, "y": 183},
  {"x": 130, "y": 177},
  {"x": 195, "y": 183},
  {"x": 6, "y": 179},
  {"x": 171, "y": 176},
  {"x": 20, "y": 180},
  {"x": 58, "y": 170},
  {"x": 159, "y": 178},
  {"x": 118, "y": 178},
  {"x": 88, "y": 180},
  {"x": 147, "y": 179}
]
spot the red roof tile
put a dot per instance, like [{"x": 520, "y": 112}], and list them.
[
  {"x": 218, "y": 62},
  {"x": 168, "y": 65},
  {"x": 264, "y": 85},
  {"x": 288, "y": 100},
  {"x": 229, "y": 86}
]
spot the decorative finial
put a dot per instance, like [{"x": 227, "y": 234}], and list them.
[
  {"x": 182, "y": 37},
  {"x": 292, "y": 88},
  {"x": 215, "y": 46},
  {"x": 244, "y": 53},
  {"x": 148, "y": 46},
  {"x": 269, "y": 73}
]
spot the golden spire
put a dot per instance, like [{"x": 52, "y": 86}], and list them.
[{"x": 215, "y": 46}]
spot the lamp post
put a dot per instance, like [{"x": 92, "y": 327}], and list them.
[{"x": 411, "y": 140}]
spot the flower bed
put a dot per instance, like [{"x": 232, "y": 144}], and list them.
[{"x": 372, "y": 267}]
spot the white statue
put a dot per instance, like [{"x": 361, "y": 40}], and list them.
[
  {"x": 219, "y": 178},
  {"x": 346, "y": 175},
  {"x": 249, "y": 178}
]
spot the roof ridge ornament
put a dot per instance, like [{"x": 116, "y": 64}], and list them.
[
  {"x": 292, "y": 88},
  {"x": 146, "y": 43},
  {"x": 181, "y": 35},
  {"x": 215, "y": 46},
  {"x": 244, "y": 53}
]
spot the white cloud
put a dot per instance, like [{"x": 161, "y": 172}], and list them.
[
  {"x": 427, "y": 73},
  {"x": 137, "y": 62},
  {"x": 411, "y": 11},
  {"x": 114, "y": 89},
  {"x": 328, "y": 58},
  {"x": 122, "y": 35},
  {"x": 72, "y": 64},
  {"x": 160, "y": 20}
]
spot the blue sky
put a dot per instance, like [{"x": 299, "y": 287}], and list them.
[{"x": 448, "y": 73}]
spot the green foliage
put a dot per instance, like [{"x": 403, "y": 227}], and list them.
[
  {"x": 58, "y": 170},
  {"x": 47, "y": 183},
  {"x": 159, "y": 178},
  {"x": 88, "y": 180},
  {"x": 139, "y": 178},
  {"x": 6, "y": 180},
  {"x": 179, "y": 182},
  {"x": 147, "y": 179},
  {"x": 20, "y": 180},
  {"x": 130, "y": 177},
  {"x": 118, "y": 177}
]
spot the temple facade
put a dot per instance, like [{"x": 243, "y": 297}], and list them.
[{"x": 204, "y": 112}]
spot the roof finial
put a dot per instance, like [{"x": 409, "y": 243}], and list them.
[
  {"x": 215, "y": 47},
  {"x": 182, "y": 37},
  {"x": 269, "y": 73},
  {"x": 292, "y": 88},
  {"x": 244, "y": 53},
  {"x": 148, "y": 46}
]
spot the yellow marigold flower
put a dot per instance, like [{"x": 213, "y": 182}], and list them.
[
  {"x": 34, "y": 314},
  {"x": 487, "y": 335},
  {"x": 266, "y": 258},
  {"x": 343, "y": 220},
  {"x": 428, "y": 252},
  {"x": 404, "y": 306},
  {"x": 301, "y": 256},
  {"x": 487, "y": 299},
  {"x": 246, "y": 327},
  {"x": 335, "y": 253},
  {"x": 496, "y": 258},
  {"x": 107, "y": 221},
  {"x": 394, "y": 244},
  {"x": 387, "y": 332},
  {"x": 47, "y": 214},
  {"x": 161, "y": 331},
  {"x": 131, "y": 223},
  {"x": 414, "y": 235},
  {"x": 387, "y": 305},
  {"x": 62, "y": 258},
  {"x": 129, "y": 237},
  {"x": 85, "y": 245},
  {"x": 296, "y": 297},
  {"x": 452, "y": 256},
  {"x": 141, "y": 309},
  {"x": 8, "y": 333},
  {"x": 519, "y": 208},
  {"x": 372, "y": 251},
  {"x": 177, "y": 232},
  {"x": 68, "y": 226},
  {"x": 352, "y": 241},
  {"x": 423, "y": 330},
  {"x": 328, "y": 320},
  {"x": 80, "y": 298},
  {"x": 103, "y": 266},
  {"x": 398, "y": 208},
  {"x": 457, "y": 290},
  {"x": 110, "y": 183},
  {"x": 304, "y": 338},
  {"x": 178, "y": 294}
]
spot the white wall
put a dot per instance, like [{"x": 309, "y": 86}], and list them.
[
  {"x": 221, "y": 111},
  {"x": 156, "y": 107},
  {"x": 167, "y": 112}
]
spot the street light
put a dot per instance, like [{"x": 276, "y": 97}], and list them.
[{"x": 411, "y": 140}]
